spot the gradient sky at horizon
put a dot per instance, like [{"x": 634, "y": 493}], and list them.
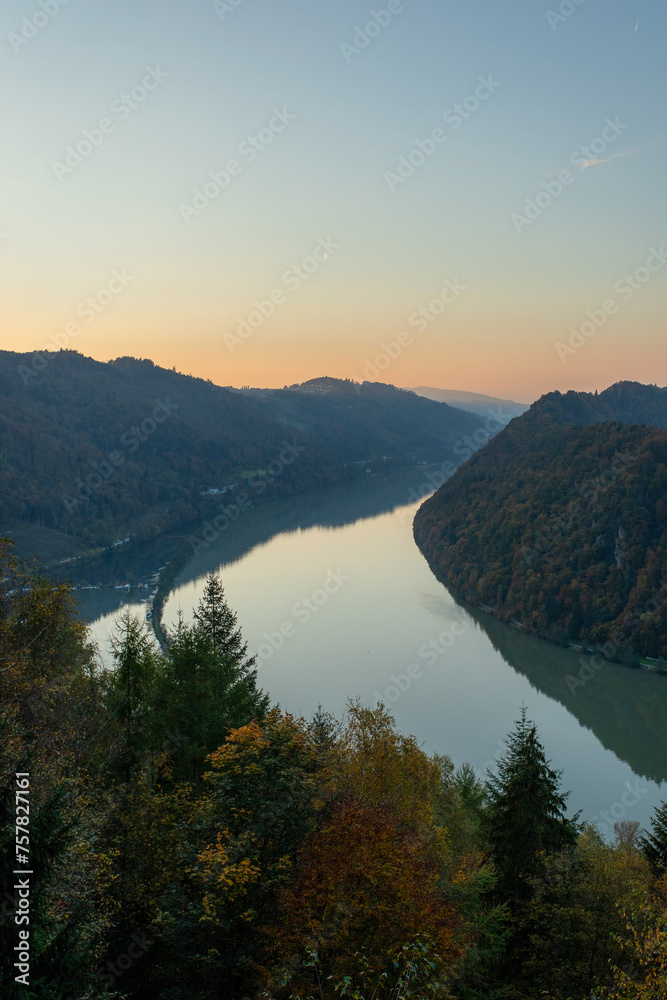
[{"x": 324, "y": 178}]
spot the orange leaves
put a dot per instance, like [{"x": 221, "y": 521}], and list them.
[
  {"x": 230, "y": 878},
  {"x": 368, "y": 881},
  {"x": 384, "y": 767},
  {"x": 241, "y": 751},
  {"x": 366, "y": 884},
  {"x": 644, "y": 972}
]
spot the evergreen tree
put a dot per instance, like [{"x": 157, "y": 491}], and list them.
[
  {"x": 205, "y": 692},
  {"x": 654, "y": 844},
  {"x": 132, "y": 685},
  {"x": 217, "y": 620},
  {"x": 526, "y": 814}
]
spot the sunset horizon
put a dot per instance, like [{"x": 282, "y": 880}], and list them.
[{"x": 333, "y": 500}]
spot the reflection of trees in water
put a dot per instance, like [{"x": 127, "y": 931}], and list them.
[
  {"x": 334, "y": 507},
  {"x": 625, "y": 709}
]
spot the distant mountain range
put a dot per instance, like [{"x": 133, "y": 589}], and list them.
[
  {"x": 559, "y": 525},
  {"x": 93, "y": 453},
  {"x": 474, "y": 402}
]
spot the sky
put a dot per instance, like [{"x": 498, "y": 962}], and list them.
[{"x": 468, "y": 195}]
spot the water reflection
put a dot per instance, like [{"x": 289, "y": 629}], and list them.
[
  {"x": 332, "y": 508},
  {"x": 626, "y": 709},
  {"x": 384, "y": 619}
]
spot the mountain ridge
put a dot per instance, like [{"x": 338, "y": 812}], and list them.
[
  {"x": 474, "y": 402},
  {"x": 93, "y": 452}
]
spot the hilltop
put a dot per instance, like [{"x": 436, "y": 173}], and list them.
[{"x": 559, "y": 525}]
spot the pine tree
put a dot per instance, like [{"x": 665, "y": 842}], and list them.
[
  {"x": 220, "y": 623},
  {"x": 526, "y": 814},
  {"x": 654, "y": 844},
  {"x": 205, "y": 692},
  {"x": 132, "y": 685}
]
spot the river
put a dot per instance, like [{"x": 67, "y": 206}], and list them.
[{"x": 337, "y": 602}]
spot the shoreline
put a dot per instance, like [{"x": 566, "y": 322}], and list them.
[{"x": 586, "y": 649}]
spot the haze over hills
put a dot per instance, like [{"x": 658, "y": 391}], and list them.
[
  {"x": 560, "y": 523},
  {"x": 94, "y": 452},
  {"x": 475, "y": 402}
]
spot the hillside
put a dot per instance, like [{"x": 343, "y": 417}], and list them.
[
  {"x": 560, "y": 524},
  {"x": 475, "y": 402},
  {"x": 93, "y": 453},
  {"x": 364, "y": 422}
]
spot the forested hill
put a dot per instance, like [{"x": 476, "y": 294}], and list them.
[
  {"x": 92, "y": 453},
  {"x": 623, "y": 402},
  {"x": 559, "y": 525},
  {"x": 369, "y": 420}
]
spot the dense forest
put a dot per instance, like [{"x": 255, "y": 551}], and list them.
[
  {"x": 185, "y": 839},
  {"x": 92, "y": 453},
  {"x": 559, "y": 525}
]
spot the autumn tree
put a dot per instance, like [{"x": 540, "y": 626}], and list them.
[
  {"x": 573, "y": 928},
  {"x": 261, "y": 800},
  {"x": 642, "y": 973},
  {"x": 375, "y": 882}
]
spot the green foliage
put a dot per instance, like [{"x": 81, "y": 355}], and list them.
[
  {"x": 654, "y": 843},
  {"x": 60, "y": 943},
  {"x": 219, "y": 623},
  {"x": 526, "y": 815},
  {"x": 574, "y": 926},
  {"x": 203, "y": 693},
  {"x": 413, "y": 976},
  {"x": 84, "y": 462},
  {"x": 131, "y": 689},
  {"x": 190, "y": 843}
]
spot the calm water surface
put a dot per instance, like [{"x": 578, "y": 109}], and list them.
[{"x": 337, "y": 602}]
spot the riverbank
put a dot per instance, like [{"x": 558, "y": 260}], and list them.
[{"x": 609, "y": 652}]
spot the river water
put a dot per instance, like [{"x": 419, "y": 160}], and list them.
[{"x": 337, "y": 602}]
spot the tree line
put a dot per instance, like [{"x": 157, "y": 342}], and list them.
[{"x": 191, "y": 839}]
